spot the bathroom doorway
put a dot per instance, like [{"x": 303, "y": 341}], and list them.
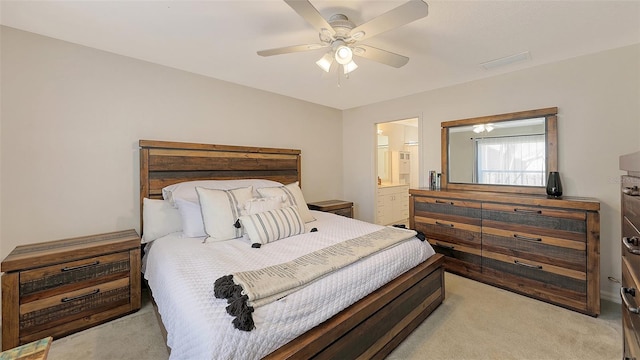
[{"x": 397, "y": 169}]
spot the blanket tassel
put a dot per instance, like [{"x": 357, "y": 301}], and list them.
[
  {"x": 244, "y": 321},
  {"x": 224, "y": 287}
]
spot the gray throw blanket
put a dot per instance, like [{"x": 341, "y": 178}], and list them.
[{"x": 248, "y": 289}]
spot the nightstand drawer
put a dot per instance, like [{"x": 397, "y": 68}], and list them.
[
  {"x": 74, "y": 274},
  {"x": 59, "y": 309}
]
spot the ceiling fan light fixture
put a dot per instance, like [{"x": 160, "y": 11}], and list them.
[
  {"x": 343, "y": 54},
  {"x": 349, "y": 67},
  {"x": 325, "y": 62}
]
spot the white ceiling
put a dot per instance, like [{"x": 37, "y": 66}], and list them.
[{"x": 220, "y": 39}]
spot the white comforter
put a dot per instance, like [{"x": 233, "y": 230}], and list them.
[{"x": 181, "y": 272}]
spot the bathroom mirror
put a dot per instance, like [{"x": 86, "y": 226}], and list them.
[{"x": 511, "y": 152}]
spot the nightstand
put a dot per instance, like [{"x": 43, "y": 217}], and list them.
[
  {"x": 339, "y": 207},
  {"x": 59, "y": 287}
]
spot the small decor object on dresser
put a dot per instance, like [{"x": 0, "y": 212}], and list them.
[
  {"x": 59, "y": 287},
  {"x": 554, "y": 185},
  {"x": 630, "y": 251},
  {"x": 339, "y": 207}
]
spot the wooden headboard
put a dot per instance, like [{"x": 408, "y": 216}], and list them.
[{"x": 164, "y": 163}]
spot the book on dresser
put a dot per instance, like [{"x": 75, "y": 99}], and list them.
[
  {"x": 548, "y": 249},
  {"x": 630, "y": 255},
  {"x": 59, "y": 287}
]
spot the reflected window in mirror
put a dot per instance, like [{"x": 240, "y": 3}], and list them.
[
  {"x": 510, "y": 152},
  {"x": 505, "y": 153}
]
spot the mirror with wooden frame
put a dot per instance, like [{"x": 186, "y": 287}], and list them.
[{"x": 511, "y": 152}]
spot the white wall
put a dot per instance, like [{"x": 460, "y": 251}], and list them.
[
  {"x": 72, "y": 116},
  {"x": 598, "y": 100}
]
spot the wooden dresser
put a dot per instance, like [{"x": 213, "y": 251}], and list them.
[
  {"x": 544, "y": 248},
  {"x": 630, "y": 251},
  {"x": 59, "y": 287}
]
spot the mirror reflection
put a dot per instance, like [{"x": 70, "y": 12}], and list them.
[{"x": 501, "y": 153}]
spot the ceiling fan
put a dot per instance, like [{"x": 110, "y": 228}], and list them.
[{"x": 343, "y": 37}]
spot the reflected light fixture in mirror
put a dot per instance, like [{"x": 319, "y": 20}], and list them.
[{"x": 480, "y": 128}]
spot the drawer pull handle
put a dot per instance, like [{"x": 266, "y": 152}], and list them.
[
  {"x": 444, "y": 246},
  {"x": 67, "y": 299},
  {"x": 444, "y": 202},
  {"x": 528, "y": 211},
  {"x": 444, "y": 224},
  {"x": 520, "y": 237},
  {"x": 539, "y": 267},
  {"x": 630, "y": 244},
  {"x": 70, "y": 268},
  {"x": 623, "y": 295}
]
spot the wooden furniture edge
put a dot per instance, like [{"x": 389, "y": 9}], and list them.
[
  {"x": 156, "y": 144},
  {"x": 11, "y": 307},
  {"x": 22, "y": 259},
  {"x": 329, "y": 205},
  {"x": 550, "y": 111},
  {"x": 578, "y": 203}
]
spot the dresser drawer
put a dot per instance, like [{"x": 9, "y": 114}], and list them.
[
  {"x": 467, "y": 212},
  {"x": 564, "y": 224},
  {"x": 460, "y": 259},
  {"x": 453, "y": 228},
  {"x": 550, "y": 282},
  {"x": 450, "y": 231},
  {"x": 549, "y": 250},
  {"x": 452, "y": 221}
]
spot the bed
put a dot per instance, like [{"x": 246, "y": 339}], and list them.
[{"x": 387, "y": 311}]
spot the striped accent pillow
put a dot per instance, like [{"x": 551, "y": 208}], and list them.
[
  {"x": 272, "y": 225},
  {"x": 220, "y": 211}
]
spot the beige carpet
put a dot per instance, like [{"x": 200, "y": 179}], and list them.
[{"x": 476, "y": 321}]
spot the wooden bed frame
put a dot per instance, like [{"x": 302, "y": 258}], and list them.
[{"x": 370, "y": 328}]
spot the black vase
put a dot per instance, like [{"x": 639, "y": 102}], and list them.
[{"x": 554, "y": 185}]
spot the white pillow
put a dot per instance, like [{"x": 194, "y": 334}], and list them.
[
  {"x": 187, "y": 190},
  {"x": 159, "y": 218},
  {"x": 272, "y": 225},
  {"x": 221, "y": 210},
  {"x": 257, "y": 205},
  {"x": 192, "y": 224},
  {"x": 293, "y": 196}
]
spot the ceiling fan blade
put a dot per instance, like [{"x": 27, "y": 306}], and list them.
[
  {"x": 290, "y": 49},
  {"x": 402, "y": 15},
  {"x": 381, "y": 56},
  {"x": 311, "y": 15}
]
